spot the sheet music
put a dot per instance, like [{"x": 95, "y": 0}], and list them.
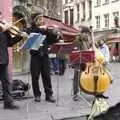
[
  {"x": 34, "y": 41},
  {"x": 39, "y": 42}
]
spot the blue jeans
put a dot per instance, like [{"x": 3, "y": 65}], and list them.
[{"x": 55, "y": 64}]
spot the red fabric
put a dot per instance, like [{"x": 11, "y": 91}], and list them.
[
  {"x": 115, "y": 52},
  {"x": 113, "y": 38},
  {"x": 69, "y": 33},
  {"x": 82, "y": 56},
  {"x": 64, "y": 48}
]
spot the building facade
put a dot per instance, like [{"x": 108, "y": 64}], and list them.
[
  {"x": 104, "y": 14},
  {"x": 77, "y": 13}
]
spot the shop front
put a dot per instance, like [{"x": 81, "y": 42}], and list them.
[{"x": 114, "y": 45}]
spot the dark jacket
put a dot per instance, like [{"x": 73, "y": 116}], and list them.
[
  {"x": 51, "y": 37},
  {"x": 6, "y": 41}
]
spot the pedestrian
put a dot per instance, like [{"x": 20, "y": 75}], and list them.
[
  {"x": 40, "y": 61},
  {"x": 6, "y": 41},
  {"x": 54, "y": 63},
  {"x": 116, "y": 53},
  {"x": 61, "y": 61},
  {"x": 105, "y": 51}
]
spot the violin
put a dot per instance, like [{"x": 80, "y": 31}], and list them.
[
  {"x": 13, "y": 30},
  {"x": 94, "y": 79}
]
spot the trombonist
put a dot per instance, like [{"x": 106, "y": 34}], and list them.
[{"x": 6, "y": 41}]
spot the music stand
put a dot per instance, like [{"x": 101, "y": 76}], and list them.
[
  {"x": 76, "y": 58},
  {"x": 64, "y": 48},
  {"x": 61, "y": 48},
  {"x": 83, "y": 56},
  {"x": 34, "y": 41}
]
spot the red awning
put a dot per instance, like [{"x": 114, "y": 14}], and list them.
[
  {"x": 114, "y": 41},
  {"x": 112, "y": 38},
  {"x": 69, "y": 33}
]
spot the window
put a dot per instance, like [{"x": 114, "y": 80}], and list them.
[
  {"x": 106, "y": 20},
  {"x": 71, "y": 17},
  {"x": 78, "y": 10},
  {"x": 66, "y": 1},
  {"x": 106, "y": 1},
  {"x": 116, "y": 14},
  {"x": 83, "y": 11},
  {"x": 98, "y": 2},
  {"x": 116, "y": 18},
  {"x": 90, "y": 10},
  {"x": 97, "y": 21},
  {"x": 66, "y": 17}
]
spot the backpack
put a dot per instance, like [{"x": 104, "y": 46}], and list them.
[{"x": 19, "y": 88}]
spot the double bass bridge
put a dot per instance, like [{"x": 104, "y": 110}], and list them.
[{"x": 95, "y": 70}]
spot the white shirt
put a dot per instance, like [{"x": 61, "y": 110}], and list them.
[{"x": 105, "y": 50}]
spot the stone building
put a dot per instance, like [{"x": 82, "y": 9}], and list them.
[
  {"x": 77, "y": 12},
  {"x": 106, "y": 22}
]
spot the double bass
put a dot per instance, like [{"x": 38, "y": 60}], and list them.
[{"x": 94, "y": 79}]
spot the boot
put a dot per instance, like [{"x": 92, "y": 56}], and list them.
[
  {"x": 10, "y": 106},
  {"x": 50, "y": 98},
  {"x": 37, "y": 99}
]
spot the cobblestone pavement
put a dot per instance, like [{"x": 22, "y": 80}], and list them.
[{"x": 64, "y": 108}]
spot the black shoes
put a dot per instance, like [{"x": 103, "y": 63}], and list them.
[
  {"x": 37, "y": 99},
  {"x": 11, "y": 106},
  {"x": 50, "y": 99},
  {"x": 76, "y": 97},
  {"x": 102, "y": 96}
]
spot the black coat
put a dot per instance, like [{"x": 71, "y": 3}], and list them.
[
  {"x": 51, "y": 37},
  {"x": 6, "y": 41}
]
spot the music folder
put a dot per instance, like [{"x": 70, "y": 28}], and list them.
[
  {"x": 34, "y": 41},
  {"x": 62, "y": 48}
]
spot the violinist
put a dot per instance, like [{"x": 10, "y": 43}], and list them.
[
  {"x": 39, "y": 63},
  {"x": 6, "y": 41}
]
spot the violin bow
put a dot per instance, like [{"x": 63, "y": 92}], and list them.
[{"x": 17, "y": 21}]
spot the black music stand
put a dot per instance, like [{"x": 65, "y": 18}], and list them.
[{"x": 61, "y": 48}]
